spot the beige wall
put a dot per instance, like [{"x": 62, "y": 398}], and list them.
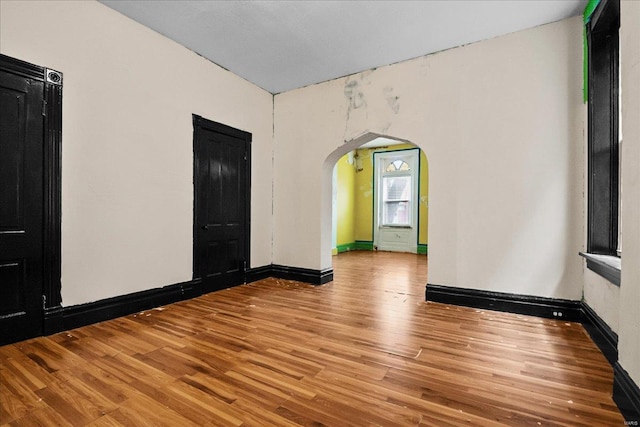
[
  {"x": 129, "y": 93},
  {"x": 629, "y": 331},
  {"x": 603, "y": 297},
  {"x": 501, "y": 124}
]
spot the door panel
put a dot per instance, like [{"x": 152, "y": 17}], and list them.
[
  {"x": 21, "y": 207},
  {"x": 12, "y": 105},
  {"x": 12, "y": 278},
  {"x": 221, "y": 230},
  {"x": 396, "y": 239}
]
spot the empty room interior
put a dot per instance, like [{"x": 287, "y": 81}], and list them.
[{"x": 394, "y": 213}]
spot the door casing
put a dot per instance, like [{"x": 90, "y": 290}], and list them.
[
  {"x": 401, "y": 239},
  {"x": 52, "y": 177},
  {"x": 200, "y": 122}
]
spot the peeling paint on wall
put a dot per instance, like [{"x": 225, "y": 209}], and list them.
[
  {"x": 392, "y": 100},
  {"x": 354, "y": 95},
  {"x": 356, "y": 104},
  {"x": 367, "y": 104}
]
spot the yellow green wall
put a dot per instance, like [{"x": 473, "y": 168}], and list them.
[
  {"x": 423, "y": 210},
  {"x": 364, "y": 194},
  {"x": 345, "y": 205},
  {"x": 359, "y": 176}
]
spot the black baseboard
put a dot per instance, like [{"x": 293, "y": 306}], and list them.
[
  {"x": 513, "y": 303},
  {"x": 601, "y": 333},
  {"x": 59, "y": 319},
  {"x": 626, "y": 394},
  {"x": 123, "y": 305},
  {"x": 315, "y": 277},
  {"x": 574, "y": 311},
  {"x": 53, "y": 320},
  {"x": 258, "y": 273}
]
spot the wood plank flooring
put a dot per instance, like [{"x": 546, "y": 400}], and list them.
[{"x": 363, "y": 350}]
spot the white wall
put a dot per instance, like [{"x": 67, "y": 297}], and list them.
[
  {"x": 129, "y": 93},
  {"x": 629, "y": 332},
  {"x": 501, "y": 124}
]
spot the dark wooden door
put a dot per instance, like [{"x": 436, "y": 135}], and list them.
[
  {"x": 222, "y": 197},
  {"x": 21, "y": 207}
]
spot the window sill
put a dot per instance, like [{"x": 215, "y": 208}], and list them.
[{"x": 607, "y": 266}]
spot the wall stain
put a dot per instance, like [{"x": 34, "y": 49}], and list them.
[
  {"x": 354, "y": 94},
  {"x": 355, "y": 99},
  {"x": 392, "y": 100}
]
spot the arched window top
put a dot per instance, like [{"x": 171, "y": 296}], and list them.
[{"x": 397, "y": 165}]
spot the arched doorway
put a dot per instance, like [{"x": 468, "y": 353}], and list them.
[{"x": 385, "y": 206}]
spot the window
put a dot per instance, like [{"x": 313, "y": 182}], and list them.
[
  {"x": 603, "y": 129},
  {"x": 396, "y": 196},
  {"x": 396, "y": 188},
  {"x": 398, "y": 165}
]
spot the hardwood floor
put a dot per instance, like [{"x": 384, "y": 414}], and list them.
[{"x": 363, "y": 350}]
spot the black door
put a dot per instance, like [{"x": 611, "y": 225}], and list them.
[
  {"x": 21, "y": 207},
  {"x": 221, "y": 204}
]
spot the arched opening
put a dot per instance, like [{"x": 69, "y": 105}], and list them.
[{"x": 375, "y": 197}]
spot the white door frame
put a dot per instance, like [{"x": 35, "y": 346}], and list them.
[{"x": 394, "y": 238}]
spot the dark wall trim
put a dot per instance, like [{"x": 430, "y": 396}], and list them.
[
  {"x": 53, "y": 321},
  {"x": 246, "y": 137},
  {"x": 220, "y": 128},
  {"x": 258, "y": 273},
  {"x": 611, "y": 274},
  {"x": 53, "y": 195},
  {"x": 626, "y": 394},
  {"x": 52, "y": 181},
  {"x": 601, "y": 333},
  {"x": 602, "y": 268},
  {"x": 575, "y": 311},
  {"x": 59, "y": 319},
  {"x": 66, "y": 318},
  {"x": 602, "y": 144},
  {"x": 512, "y": 303},
  {"x": 315, "y": 277},
  {"x": 22, "y": 68}
]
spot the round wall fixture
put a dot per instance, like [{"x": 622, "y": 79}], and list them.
[{"x": 54, "y": 77}]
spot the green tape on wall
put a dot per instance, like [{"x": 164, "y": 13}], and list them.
[{"x": 589, "y": 9}]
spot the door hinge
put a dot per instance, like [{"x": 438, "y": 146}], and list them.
[
  {"x": 245, "y": 265},
  {"x": 44, "y": 108},
  {"x": 245, "y": 156},
  {"x": 44, "y": 302}
]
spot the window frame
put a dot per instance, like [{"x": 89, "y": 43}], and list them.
[
  {"x": 603, "y": 146},
  {"x": 381, "y": 159}
]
